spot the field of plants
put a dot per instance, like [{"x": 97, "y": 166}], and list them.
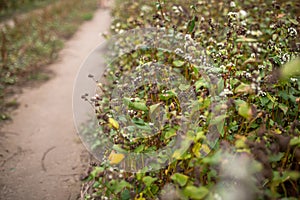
[
  {"x": 247, "y": 91},
  {"x": 9, "y": 8},
  {"x": 34, "y": 41}
]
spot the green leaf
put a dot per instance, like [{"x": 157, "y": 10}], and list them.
[
  {"x": 280, "y": 177},
  {"x": 118, "y": 148},
  {"x": 191, "y": 25},
  {"x": 148, "y": 180},
  {"x": 218, "y": 119},
  {"x": 264, "y": 100},
  {"x": 139, "y": 106},
  {"x": 195, "y": 192},
  {"x": 201, "y": 83},
  {"x": 178, "y": 63},
  {"x": 295, "y": 141},
  {"x": 184, "y": 87},
  {"x": 96, "y": 171},
  {"x": 294, "y": 21},
  {"x": 154, "y": 189},
  {"x": 291, "y": 68},
  {"x": 213, "y": 159},
  {"x": 221, "y": 129},
  {"x": 219, "y": 122},
  {"x": 181, "y": 179},
  {"x": 153, "y": 108},
  {"x": 245, "y": 110},
  {"x": 170, "y": 133},
  {"x": 271, "y": 98},
  {"x": 125, "y": 195},
  {"x": 120, "y": 186},
  {"x": 179, "y": 153},
  {"x": 139, "y": 149},
  {"x": 283, "y": 107},
  {"x": 276, "y": 157},
  {"x": 138, "y": 121},
  {"x": 168, "y": 95},
  {"x": 136, "y": 105}
]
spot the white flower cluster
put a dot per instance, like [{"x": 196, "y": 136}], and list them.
[
  {"x": 292, "y": 32},
  {"x": 261, "y": 93},
  {"x": 242, "y": 14},
  {"x": 225, "y": 92},
  {"x": 294, "y": 79},
  {"x": 178, "y": 51},
  {"x": 177, "y": 9}
]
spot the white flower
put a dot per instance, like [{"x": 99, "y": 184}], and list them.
[
  {"x": 232, "y": 15},
  {"x": 217, "y": 197},
  {"x": 256, "y": 33},
  {"x": 292, "y": 32},
  {"x": 223, "y": 67},
  {"x": 285, "y": 57},
  {"x": 202, "y": 117},
  {"x": 220, "y": 45},
  {"x": 232, "y": 4},
  {"x": 178, "y": 51},
  {"x": 261, "y": 93},
  {"x": 188, "y": 37},
  {"x": 294, "y": 79},
  {"x": 261, "y": 67},
  {"x": 244, "y": 23},
  {"x": 175, "y": 9},
  {"x": 225, "y": 92},
  {"x": 243, "y": 14},
  {"x": 248, "y": 75},
  {"x": 188, "y": 58}
]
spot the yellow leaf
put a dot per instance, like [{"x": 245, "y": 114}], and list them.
[
  {"x": 278, "y": 131},
  {"x": 139, "y": 197},
  {"x": 113, "y": 123},
  {"x": 244, "y": 88},
  {"x": 196, "y": 150},
  {"x": 205, "y": 149},
  {"x": 115, "y": 158},
  {"x": 176, "y": 155}
]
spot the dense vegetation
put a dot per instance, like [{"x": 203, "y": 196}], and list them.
[
  {"x": 253, "y": 46},
  {"x": 9, "y": 8},
  {"x": 34, "y": 41}
]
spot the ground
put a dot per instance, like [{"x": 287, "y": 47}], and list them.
[{"x": 41, "y": 156}]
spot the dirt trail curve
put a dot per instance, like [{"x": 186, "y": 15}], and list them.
[{"x": 40, "y": 152}]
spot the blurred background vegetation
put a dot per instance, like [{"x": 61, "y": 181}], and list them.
[{"x": 33, "y": 39}]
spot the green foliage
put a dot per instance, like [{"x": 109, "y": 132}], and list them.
[
  {"x": 8, "y": 8},
  {"x": 254, "y": 48}
]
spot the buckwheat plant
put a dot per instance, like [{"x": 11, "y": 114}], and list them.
[{"x": 199, "y": 100}]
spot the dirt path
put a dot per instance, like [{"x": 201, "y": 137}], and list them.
[{"x": 40, "y": 152}]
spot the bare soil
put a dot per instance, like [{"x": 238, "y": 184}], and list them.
[{"x": 41, "y": 156}]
